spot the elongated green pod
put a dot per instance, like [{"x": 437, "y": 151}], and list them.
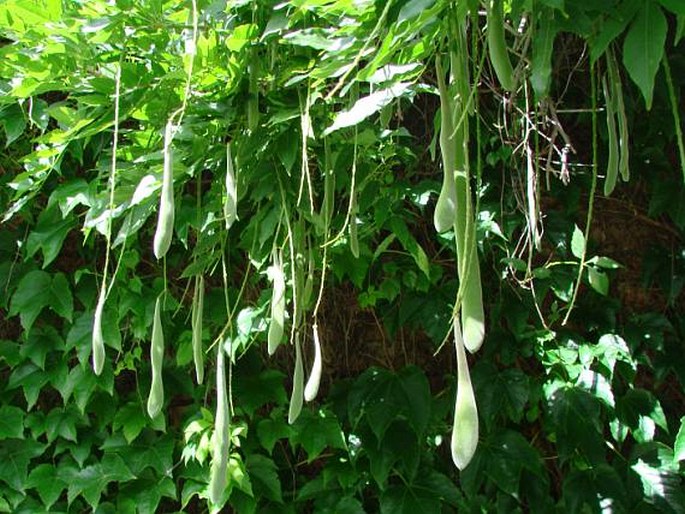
[
  {"x": 98, "y": 341},
  {"x": 275, "y": 334},
  {"x": 155, "y": 399},
  {"x": 253, "y": 93},
  {"x": 497, "y": 46},
  {"x": 328, "y": 203},
  {"x": 446, "y": 207},
  {"x": 298, "y": 385},
  {"x": 613, "y": 159},
  {"x": 299, "y": 279},
  {"x": 220, "y": 438},
  {"x": 312, "y": 387},
  {"x": 196, "y": 321},
  {"x": 354, "y": 239},
  {"x": 620, "y": 111},
  {"x": 453, "y": 147},
  {"x": 165, "y": 218},
  {"x": 309, "y": 280},
  {"x": 624, "y": 137},
  {"x": 231, "y": 202},
  {"x": 465, "y": 425},
  {"x": 472, "y": 313}
]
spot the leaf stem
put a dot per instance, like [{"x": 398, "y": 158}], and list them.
[{"x": 593, "y": 189}]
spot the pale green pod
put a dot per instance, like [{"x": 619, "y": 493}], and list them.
[
  {"x": 445, "y": 208},
  {"x": 308, "y": 288},
  {"x": 196, "y": 321},
  {"x": 231, "y": 202},
  {"x": 98, "y": 341},
  {"x": 312, "y": 387},
  {"x": 497, "y": 46},
  {"x": 620, "y": 110},
  {"x": 453, "y": 147},
  {"x": 275, "y": 334},
  {"x": 165, "y": 218},
  {"x": 613, "y": 156},
  {"x": 328, "y": 203},
  {"x": 220, "y": 438},
  {"x": 155, "y": 399},
  {"x": 298, "y": 385},
  {"x": 253, "y": 94},
  {"x": 465, "y": 426},
  {"x": 472, "y": 313}
]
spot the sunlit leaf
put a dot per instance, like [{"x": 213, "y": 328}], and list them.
[
  {"x": 644, "y": 46},
  {"x": 366, "y": 106}
]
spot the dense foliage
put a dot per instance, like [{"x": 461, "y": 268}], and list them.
[{"x": 203, "y": 201}]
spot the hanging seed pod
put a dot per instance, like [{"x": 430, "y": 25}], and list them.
[
  {"x": 312, "y": 387},
  {"x": 465, "y": 425},
  {"x": 220, "y": 438},
  {"x": 196, "y": 322},
  {"x": 497, "y": 46},
  {"x": 298, "y": 385},
  {"x": 156, "y": 398},
  {"x": 98, "y": 341},
  {"x": 231, "y": 202},
  {"x": 165, "y": 219},
  {"x": 275, "y": 334}
]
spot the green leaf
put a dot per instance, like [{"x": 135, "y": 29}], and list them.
[
  {"x": 144, "y": 495},
  {"x": 604, "y": 262},
  {"x": 597, "y": 385},
  {"x": 641, "y": 411},
  {"x": 45, "y": 480},
  {"x": 31, "y": 379},
  {"x": 147, "y": 451},
  {"x": 15, "y": 455},
  {"x": 317, "y": 431},
  {"x": 38, "y": 289},
  {"x": 661, "y": 486},
  {"x": 91, "y": 481},
  {"x": 500, "y": 393},
  {"x": 71, "y": 194},
  {"x": 32, "y": 294},
  {"x": 401, "y": 499},
  {"x": 62, "y": 423},
  {"x": 505, "y": 455},
  {"x": 61, "y": 302},
  {"x": 543, "y": 46},
  {"x": 11, "y": 422},
  {"x": 594, "y": 488},
  {"x": 39, "y": 343},
  {"x": 675, "y": 6},
  {"x": 576, "y": 416},
  {"x": 14, "y": 122},
  {"x": 577, "y": 242},
  {"x": 611, "y": 26},
  {"x": 599, "y": 281},
  {"x": 679, "y": 444},
  {"x": 610, "y": 349},
  {"x": 80, "y": 382},
  {"x": 132, "y": 419},
  {"x": 399, "y": 228},
  {"x": 397, "y": 451},
  {"x": 270, "y": 430},
  {"x": 643, "y": 48},
  {"x": 264, "y": 476},
  {"x": 49, "y": 234},
  {"x": 366, "y": 106},
  {"x": 383, "y": 396}
]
